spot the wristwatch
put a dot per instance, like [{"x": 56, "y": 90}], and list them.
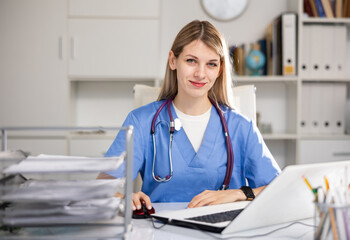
[{"x": 248, "y": 192}]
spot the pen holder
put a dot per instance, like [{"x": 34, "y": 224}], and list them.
[{"x": 332, "y": 221}]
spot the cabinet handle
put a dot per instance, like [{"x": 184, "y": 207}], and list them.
[
  {"x": 341, "y": 154},
  {"x": 60, "y": 48},
  {"x": 72, "y": 50}
]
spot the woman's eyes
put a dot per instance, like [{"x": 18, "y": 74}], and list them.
[
  {"x": 211, "y": 64},
  {"x": 190, "y": 60}
]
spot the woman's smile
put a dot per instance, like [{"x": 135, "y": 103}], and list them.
[{"x": 198, "y": 84}]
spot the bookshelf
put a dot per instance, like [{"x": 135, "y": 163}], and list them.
[{"x": 320, "y": 147}]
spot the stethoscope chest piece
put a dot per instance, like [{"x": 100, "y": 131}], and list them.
[{"x": 178, "y": 124}]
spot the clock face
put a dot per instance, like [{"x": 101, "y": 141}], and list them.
[{"x": 224, "y": 10}]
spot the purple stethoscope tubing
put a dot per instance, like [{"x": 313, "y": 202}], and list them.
[
  {"x": 230, "y": 158},
  {"x": 157, "y": 178},
  {"x": 172, "y": 129}
]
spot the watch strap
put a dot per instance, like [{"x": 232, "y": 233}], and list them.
[{"x": 248, "y": 192}]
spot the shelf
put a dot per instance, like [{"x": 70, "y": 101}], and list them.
[
  {"x": 91, "y": 132},
  {"x": 325, "y": 137},
  {"x": 255, "y": 79},
  {"x": 326, "y": 79},
  {"x": 110, "y": 79},
  {"x": 326, "y": 20},
  {"x": 92, "y": 136},
  {"x": 280, "y": 136}
]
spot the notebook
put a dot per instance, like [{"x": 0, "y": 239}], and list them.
[{"x": 287, "y": 198}]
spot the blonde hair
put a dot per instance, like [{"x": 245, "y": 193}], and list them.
[{"x": 221, "y": 92}]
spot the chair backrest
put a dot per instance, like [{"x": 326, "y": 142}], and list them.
[
  {"x": 144, "y": 94},
  {"x": 244, "y": 98}
]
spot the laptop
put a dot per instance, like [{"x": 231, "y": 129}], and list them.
[{"x": 287, "y": 198}]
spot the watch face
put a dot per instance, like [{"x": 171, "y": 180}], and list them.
[{"x": 224, "y": 10}]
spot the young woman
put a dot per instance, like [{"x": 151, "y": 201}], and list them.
[{"x": 212, "y": 147}]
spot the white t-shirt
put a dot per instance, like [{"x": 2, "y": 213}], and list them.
[{"x": 194, "y": 126}]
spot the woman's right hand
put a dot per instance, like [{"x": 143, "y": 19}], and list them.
[{"x": 140, "y": 198}]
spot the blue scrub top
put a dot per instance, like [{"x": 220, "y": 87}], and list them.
[{"x": 194, "y": 172}]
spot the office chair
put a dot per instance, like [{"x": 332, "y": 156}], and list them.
[{"x": 244, "y": 102}]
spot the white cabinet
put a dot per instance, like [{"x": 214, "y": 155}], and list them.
[
  {"x": 113, "y": 48},
  {"x": 33, "y": 75},
  {"x": 113, "y": 39},
  {"x": 112, "y": 45}
]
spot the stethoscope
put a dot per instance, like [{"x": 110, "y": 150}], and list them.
[{"x": 229, "y": 168}]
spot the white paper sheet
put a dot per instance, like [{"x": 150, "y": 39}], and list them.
[
  {"x": 74, "y": 213},
  {"x": 64, "y": 164},
  {"x": 56, "y": 190}
]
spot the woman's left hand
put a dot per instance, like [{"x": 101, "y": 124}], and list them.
[{"x": 209, "y": 197}]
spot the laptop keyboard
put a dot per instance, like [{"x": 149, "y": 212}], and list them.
[{"x": 218, "y": 217}]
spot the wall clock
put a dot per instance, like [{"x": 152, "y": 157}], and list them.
[{"x": 224, "y": 10}]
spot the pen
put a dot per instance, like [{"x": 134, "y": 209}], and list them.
[
  {"x": 308, "y": 184},
  {"x": 313, "y": 190},
  {"x": 327, "y": 183}
]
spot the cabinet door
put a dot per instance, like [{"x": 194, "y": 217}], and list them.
[
  {"x": 90, "y": 147},
  {"x": 113, "y": 48},
  {"x": 39, "y": 145},
  {"x": 314, "y": 151},
  {"x": 33, "y": 76}
]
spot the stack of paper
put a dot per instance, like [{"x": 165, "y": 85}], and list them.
[
  {"x": 57, "y": 202},
  {"x": 61, "y": 191},
  {"x": 75, "y": 212},
  {"x": 64, "y": 164}
]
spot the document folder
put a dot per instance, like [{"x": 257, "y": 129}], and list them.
[
  {"x": 305, "y": 123},
  {"x": 340, "y": 48},
  {"x": 339, "y": 109},
  {"x": 306, "y": 45},
  {"x": 289, "y": 43},
  {"x": 324, "y": 50}
]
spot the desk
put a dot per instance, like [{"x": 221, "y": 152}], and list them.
[{"x": 143, "y": 230}]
